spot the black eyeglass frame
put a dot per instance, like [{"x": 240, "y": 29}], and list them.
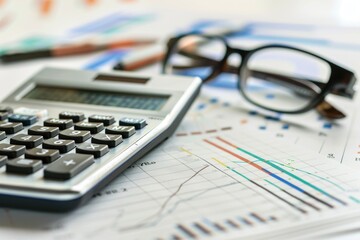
[{"x": 341, "y": 81}]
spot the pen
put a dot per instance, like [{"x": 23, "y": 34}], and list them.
[
  {"x": 70, "y": 49},
  {"x": 141, "y": 58},
  {"x": 153, "y": 54}
]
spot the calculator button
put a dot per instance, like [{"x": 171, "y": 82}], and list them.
[
  {"x": 27, "y": 140},
  {"x": 63, "y": 146},
  {"x": 6, "y": 109},
  {"x": 26, "y": 120},
  {"x": 106, "y": 120},
  {"x": 11, "y": 151},
  {"x": 3, "y": 116},
  {"x": 46, "y": 132},
  {"x": 60, "y": 123},
  {"x": 138, "y": 123},
  {"x": 124, "y": 131},
  {"x": 75, "y": 116},
  {"x": 98, "y": 150},
  {"x": 68, "y": 166},
  {"x": 109, "y": 139},
  {"x": 45, "y": 155},
  {"x": 3, "y": 160},
  {"x": 93, "y": 127},
  {"x": 11, "y": 128},
  {"x": 2, "y": 135},
  {"x": 76, "y": 135},
  {"x": 23, "y": 166}
]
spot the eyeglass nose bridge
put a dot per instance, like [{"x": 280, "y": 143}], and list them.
[{"x": 224, "y": 67}]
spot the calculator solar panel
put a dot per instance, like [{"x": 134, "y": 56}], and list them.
[{"x": 65, "y": 134}]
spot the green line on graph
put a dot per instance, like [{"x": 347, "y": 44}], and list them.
[{"x": 354, "y": 199}]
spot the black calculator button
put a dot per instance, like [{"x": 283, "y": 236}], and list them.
[
  {"x": 11, "y": 128},
  {"x": 68, "y": 166},
  {"x": 93, "y": 127},
  {"x": 60, "y": 123},
  {"x": 6, "y": 109},
  {"x": 2, "y": 135},
  {"x": 63, "y": 146},
  {"x": 23, "y": 166},
  {"x": 27, "y": 140},
  {"x": 45, "y": 155},
  {"x": 46, "y": 132},
  {"x": 3, "y": 116},
  {"x": 98, "y": 150},
  {"x": 75, "y": 116},
  {"x": 138, "y": 123},
  {"x": 105, "y": 119},
  {"x": 11, "y": 151},
  {"x": 109, "y": 139},
  {"x": 124, "y": 131},
  {"x": 77, "y": 135},
  {"x": 26, "y": 120},
  {"x": 3, "y": 160}
]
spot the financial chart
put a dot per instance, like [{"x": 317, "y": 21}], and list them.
[
  {"x": 216, "y": 111},
  {"x": 214, "y": 186}
]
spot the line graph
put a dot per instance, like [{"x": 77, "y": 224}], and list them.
[{"x": 193, "y": 189}]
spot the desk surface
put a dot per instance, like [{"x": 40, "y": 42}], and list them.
[{"x": 331, "y": 28}]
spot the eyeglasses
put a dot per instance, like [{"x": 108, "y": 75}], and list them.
[{"x": 279, "y": 78}]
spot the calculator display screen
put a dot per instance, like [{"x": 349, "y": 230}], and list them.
[{"x": 94, "y": 97}]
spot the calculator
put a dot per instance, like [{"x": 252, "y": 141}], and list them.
[{"x": 65, "y": 134}]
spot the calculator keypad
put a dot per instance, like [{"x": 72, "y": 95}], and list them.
[{"x": 63, "y": 147}]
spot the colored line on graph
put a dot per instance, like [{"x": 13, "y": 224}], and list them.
[
  {"x": 202, "y": 229},
  {"x": 354, "y": 199},
  {"x": 257, "y": 217},
  {"x": 245, "y": 221},
  {"x": 258, "y": 185},
  {"x": 280, "y": 169},
  {"x": 186, "y": 231},
  {"x": 232, "y": 223},
  {"x": 292, "y": 195},
  {"x": 299, "y": 189},
  {"x": 299, "y": 170}
]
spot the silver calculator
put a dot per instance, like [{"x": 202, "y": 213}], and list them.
[{"x": 65, "y": 134}]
